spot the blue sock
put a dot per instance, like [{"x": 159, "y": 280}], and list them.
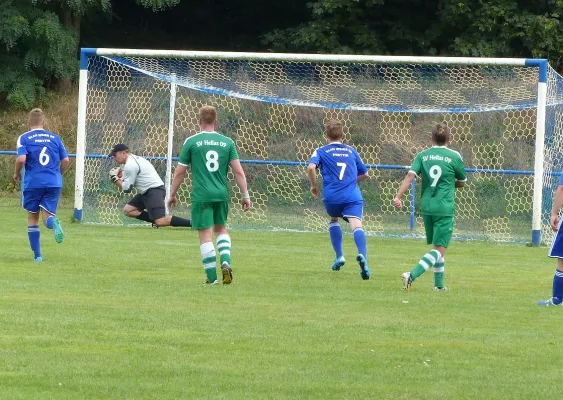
[
  {"x": 360, "y": 239},
  {"x": 558, "y": 287},
  {"x": 49, "y": 222},
  {"x": 34, "y": 236},
  {"x": 336, "y": 238}
]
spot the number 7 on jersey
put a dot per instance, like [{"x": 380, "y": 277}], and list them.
[{"x": 342, "y": 169}]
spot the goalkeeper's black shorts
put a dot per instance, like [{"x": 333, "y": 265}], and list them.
[{"x": 152, "y": 201}]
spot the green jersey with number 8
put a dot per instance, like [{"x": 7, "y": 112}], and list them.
[
  {"x": 209, "y": 155},
  {"x": 439, "y": 167}
]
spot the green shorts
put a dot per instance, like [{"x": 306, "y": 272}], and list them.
[
  {"x": 209, "y": 213},
  {"x": 438, "y": 230}
]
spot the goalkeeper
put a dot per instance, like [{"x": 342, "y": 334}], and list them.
[{"x": 149, "y": 203}]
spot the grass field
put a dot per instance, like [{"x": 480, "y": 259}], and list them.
[{"x": 119, "y": 313}]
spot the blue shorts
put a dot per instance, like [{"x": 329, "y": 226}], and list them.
[
  {"x": 556, "y": 250},
  {"x": 347, "y": 210},
  {"x": 46, "y": 198}
]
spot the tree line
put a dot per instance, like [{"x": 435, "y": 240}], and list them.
[{"x": 40, "y": 39}]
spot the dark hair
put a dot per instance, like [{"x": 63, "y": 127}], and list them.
[
  {"x": 333, "y": 129},
  {"x": 117, "y": 148},
  {"x": 441, "y": 134}
]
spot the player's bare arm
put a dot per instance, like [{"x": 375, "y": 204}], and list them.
[
  {"x": 20, "y": 161},
  {"x": 312, "y": 175},
  {"x": 405, "y": 185},
  {"x": 65, "y": 162},
  {"x": 179, "y": 175},
  {"x": 460, "y": 184},
  {"x": 240, "y": 179},
  {"x": 363, "y": 177}
]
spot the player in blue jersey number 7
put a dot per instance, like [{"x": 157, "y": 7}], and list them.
[
  {"x": 341, "y": 169},
  {"x": 45, "y": 159}
]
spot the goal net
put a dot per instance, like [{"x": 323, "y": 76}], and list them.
[{"x": 275, "y": 105}]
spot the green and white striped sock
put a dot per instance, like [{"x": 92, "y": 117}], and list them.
[
  {"x": 439, "y": 268},
  {"x": 428, "y": 260},
  {"x": 209, "y": 260},
  {"x": 224, "y": 247}
]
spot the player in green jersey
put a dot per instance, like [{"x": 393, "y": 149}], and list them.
[
  {"x": 441, "y": 170},
  {"x": 210, "y": 154}
]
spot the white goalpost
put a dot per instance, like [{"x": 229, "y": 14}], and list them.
[{"x": 506, "y": 117}]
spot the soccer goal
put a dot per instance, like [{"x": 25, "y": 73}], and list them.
[{"x": 506, "y": 117}]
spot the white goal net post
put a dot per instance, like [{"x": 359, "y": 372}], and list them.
[{"x": 506, "y": 117}]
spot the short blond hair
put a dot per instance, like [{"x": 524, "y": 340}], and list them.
[
  {"x": 36, "y": 117},
  {"x": 207, "y": 114},
  {"x": 334, "y": 129},
  {"x": 441, "y": 134}
]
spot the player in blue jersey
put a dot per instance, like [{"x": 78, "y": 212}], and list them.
[
  {"x": 341, "y": 169},
  {"x": 556, "y": 250},
  {"x": 45, "y": 159}
]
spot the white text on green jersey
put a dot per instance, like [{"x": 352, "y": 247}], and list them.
[
  {"x": 210, "y": 143},
  {"x": 434, "y": 157}
]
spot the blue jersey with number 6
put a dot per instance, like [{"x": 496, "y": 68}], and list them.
[
  {"x": 340, "y": 166},
  {"x": 44, "y": 151}
]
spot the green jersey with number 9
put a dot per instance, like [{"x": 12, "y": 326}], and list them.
[
  {"x": 209, "y": 155},
  {"x": 439, "y": 167}
]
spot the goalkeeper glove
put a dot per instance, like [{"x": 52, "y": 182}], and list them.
[{"x": 113, "y": 174}]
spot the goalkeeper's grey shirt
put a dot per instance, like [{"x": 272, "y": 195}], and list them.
[{"x": 139, "y": 173}]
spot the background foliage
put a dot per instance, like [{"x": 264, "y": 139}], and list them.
[{"x": 498, "y": 28}]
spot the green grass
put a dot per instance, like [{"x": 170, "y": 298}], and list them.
[{"x": 119, "y": 313}]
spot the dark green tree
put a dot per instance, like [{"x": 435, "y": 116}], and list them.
[
  {"x": 507, "y": 28},
  {"x": 34, "y": 49},
  {"x": 497, "y": 28},
  {"x": 39, "y": 44}
]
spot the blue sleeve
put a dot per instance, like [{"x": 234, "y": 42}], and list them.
[
  {"x": 362, "y": 169},
  {"x": 21, "y": 146},
  {"x": 315, "y": 158},
  {"x": 62, "y": 150},
  {"x": 560, "y": 180}
]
